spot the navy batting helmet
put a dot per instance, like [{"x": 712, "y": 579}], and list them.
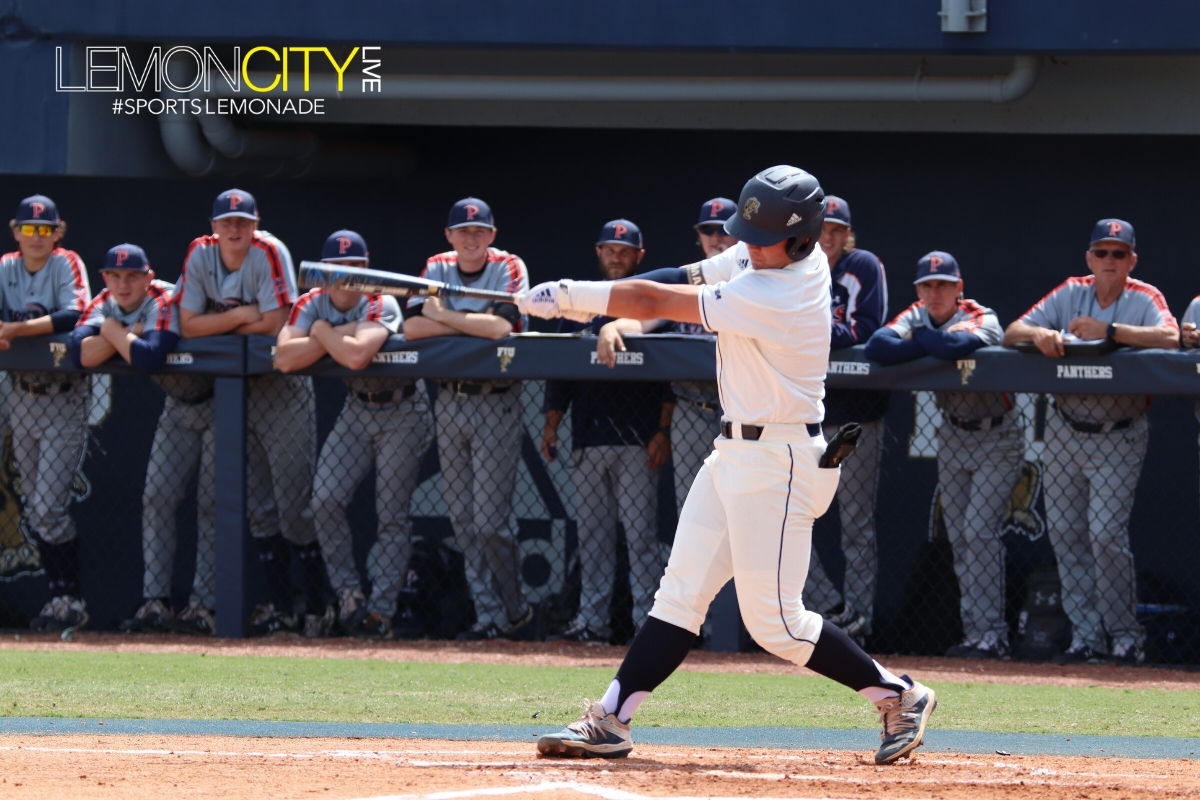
[{"x": 780, "y": 204}]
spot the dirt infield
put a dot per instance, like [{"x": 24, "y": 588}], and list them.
[
  {"x": 568, "y": 654},
  {"x": 154, "y": 767}
]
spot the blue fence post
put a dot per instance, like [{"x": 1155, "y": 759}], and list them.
[{"x": 231, "y": 525}]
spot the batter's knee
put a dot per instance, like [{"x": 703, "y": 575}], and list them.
[{"x": 791, "y": 638}]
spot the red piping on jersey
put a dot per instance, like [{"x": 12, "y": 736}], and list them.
[
  {"x": 199, "y": 241},
  {"x": 374, "y": 308},
  {"x": 301, "y": 302},
  {"x": 163, "y": 301},
  {"x": 1156, "y": 296},
  {"x": 87, "y": 312},
  {"x": 1086, "y": 281},
  {"x": 896, "y": 319},
  {"x": 277, "y": 279},
  {"x": 81, "y": 293}
]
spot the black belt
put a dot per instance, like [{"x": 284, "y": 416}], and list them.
[
  {"x": 755, "y": 432},
  {"x": 700, "y": 404},
  {"x": 964, "y": 424},
  {"x": 1098, "y": 427},
  {"x": 379, "y": 398},
  {"x": 41, "y": 389},
  {"x": 196, "y": 400},
  {"x": 473, "y": 387}
]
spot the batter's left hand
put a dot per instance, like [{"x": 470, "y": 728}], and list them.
[
  {"x": 541, "y": 301},
  {"x": 1088, "y": 328},
  {"x": 658, "y": 451}
]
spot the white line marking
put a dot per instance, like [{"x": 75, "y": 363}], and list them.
[{"x": 604, "y": 792}]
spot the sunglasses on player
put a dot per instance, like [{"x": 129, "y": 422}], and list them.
[
  {"x": 1101, "y": 252},
  {"x": 40, "y": 230},
  {"x": 712, "y": 230}
]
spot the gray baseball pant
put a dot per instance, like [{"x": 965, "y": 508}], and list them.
[
  {"x": 856, "y": 511},
  {"x": 184, "y": 441},
  {"x": 977, "y": 471},
  {"x": 390, "y": 437},
  {"x": 49, "y": 435},
  {"x": 613, "y": 483},
  {"x": 280, "y": 423},
  {"x": 1090, "y": 482},
  {"x": 479, "y": 446},
  {"x": 693, "y": 431}
]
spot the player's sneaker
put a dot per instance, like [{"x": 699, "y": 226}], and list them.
[
  {"x": 1078, "y": 654},
  {"x": 904, "y": 719},
  {"x": 990, "y": 646},
  {"x": 480, "y": 632},
  {"x": 594, "y": 735},
  {"x": 373, "y": 626},
  {"x": 1129, "y": 654},
  {"x": 318, "y": 626},
  {"x": 352, "y": 607},
  {"x": 195, "y": 620},
  {"x": 152, "y": 616},
  {"x": 61, "y": 613},
  {"x": 266, "y": 621},
  {"x": 578, "y": 631}
]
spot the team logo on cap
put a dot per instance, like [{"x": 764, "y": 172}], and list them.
[
  {"x": 235, "y": 200},
  {"x": 934, "y": 263},
  {"x": 472, "y": 211},
  {"x": 122, "y": 257},
  {"x": 717, "y": 208},
  {"x": 1114, "y": 228},
  {"x": 619, "y": 231},
  {"x": 38, "y": 209},
  {"x": 343, "y": 245},
  {"x": 834, "y": 205},
  {"x": 752, "y": 206}
]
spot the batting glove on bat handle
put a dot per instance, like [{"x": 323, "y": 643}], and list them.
[{"x": 541, "y": 301}]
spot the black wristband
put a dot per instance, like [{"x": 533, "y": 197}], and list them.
[
  {"x": 1110, "y": 332},
  {"x": 665, "y": 430}
]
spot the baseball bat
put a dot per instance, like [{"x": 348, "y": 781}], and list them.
[{"x": 315, "y": 274}]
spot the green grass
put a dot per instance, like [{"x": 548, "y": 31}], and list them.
[{"x": 168, "y": 686}]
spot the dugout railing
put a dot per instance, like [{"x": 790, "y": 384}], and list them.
[{"x": 917, "y": 592}]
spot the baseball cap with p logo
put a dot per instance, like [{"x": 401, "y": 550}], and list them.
[
  {"x": 126, "y": 256},
  {"x": 37, "y": 210},
  {"x": 235, "y": 203},
  {"x": 837, "y": 210},
  {"x": 344, "y": 245},
  {"x": 470, "y": 211},
  {"x": 937, "y": 266},
  {"x": 716, "y": 211},
  {"x": 1114, "y": 230},
  {"x": 621, "y": 231}
]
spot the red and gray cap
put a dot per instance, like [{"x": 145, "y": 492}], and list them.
[{"x": 235, "y": 203}]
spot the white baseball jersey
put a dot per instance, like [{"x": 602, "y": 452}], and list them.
[
  {"x": 503, "y": 272},
  {"x": 773, "y": 330},
  {"x": 384, "y": 309},
  {"x": 985, "y": 325},
  {"x": 1139, "y": 304},
  {"x": 266, "y": 277}
]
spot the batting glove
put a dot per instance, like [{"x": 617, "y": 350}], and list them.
[{"x": 541, "y": 301}]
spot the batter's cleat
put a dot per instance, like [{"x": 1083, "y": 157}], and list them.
[
  {"x": 318, "y": 626},
  {"x": 904, "y": 719},
  {"x": 195, "y": 620},
  {"x": 1128, "y": 654},
  {"x": 59, "y": 614},
  {"x": 578, "y": 631},
  {"x": 153, "y": 616},
  {"x": 990, "y": 646},
  {"x": 1078, "y": 654},
  {"x": 266, "y": 621},
  {"x": 373, "y": 626},
  {"x": 594, "y": 735}
]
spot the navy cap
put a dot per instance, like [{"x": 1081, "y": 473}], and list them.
[
  {"x": 937, "y": 266},
  {"x": 235, "y": 203},
  {"x": 837, "y": 210},
  {"x": 344, "y": 245},
  {"x": 470, "y": 211},
  {"x": 38, "y": 209},
  {"x": 716, "y": 211},
  {"x": 1114, "y": 230},
  {"x": 621, "y": 231},
  {"x": 126, "y": 256}
]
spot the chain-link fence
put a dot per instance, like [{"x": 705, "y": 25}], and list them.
[{"x": 534, "y": 495}]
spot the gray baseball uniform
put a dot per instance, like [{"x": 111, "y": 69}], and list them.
[
  {"x": 1095, "y": 445},
  {"x": 183, "y": 441},
  {"x": 279, "y": 450},
  {"x": 48, "y": 410},
  {"x": 479, "y": 432},
  {"x": 980, "y": 452},
  {"x": 386, "y": 424}
]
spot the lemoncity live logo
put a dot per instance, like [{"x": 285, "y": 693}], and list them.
[{"x": 237, "y": 82}]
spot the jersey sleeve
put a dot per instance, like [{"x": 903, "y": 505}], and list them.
[
  {"x": 304, "y": 312},
  {"x": 189, "y": 291},
  {"x": 94, "y": 314},
  {"x": 518, "y": 281},
  {"x": 720, "y": 267},
  {"x": 866, "y": 307},
  {"x": 274, "y": 286},
  {"x": 743, "y": 307},
  {"x": 386, "y": 311},
  {"x": 72, "y": 292},
  {"x": 1051, "y": 311},
  {"x": 435, "y": 270},
  {"x": 1153, "y": 306},
  {"x": 1192, "y": 314},
  {"x": 989, "y": 330},
  {"x": 906, "y": 321}
]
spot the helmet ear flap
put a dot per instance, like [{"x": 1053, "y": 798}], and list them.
[{"x": 798, "y": 248}]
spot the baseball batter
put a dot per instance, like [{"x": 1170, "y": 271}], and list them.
[
  {"x": 1095, "y": 444},
  {"x": 980, "y": 444},
  {"x": 385, "y": 423},
  {"x": 479, "y": 422},
  {"x": 135, "y": 318},
  {"x": 44, "y": 289},
  {"x": 750, "y": 512},
  {"x": 241, "y": 280},
  {"x": 859, "y": 306}
]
